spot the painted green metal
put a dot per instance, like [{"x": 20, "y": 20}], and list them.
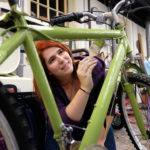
[
  {"x": 96, "y": 122},
  {"x": 43, "y": 85},
  {"x": 20, "y": 21},
  {"x": 98, "y": 116},
  {"x": 60, "y": 33},
  {"x": 130, "y": 65},
  {"x": 8, "y": 46},
  {"x": 148, "y": 89},
  {"x": 120, "y": 27},
  {"x": 129, "y": 90}
]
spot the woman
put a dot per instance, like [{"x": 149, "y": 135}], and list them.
[{"x": 75, "y": 84}]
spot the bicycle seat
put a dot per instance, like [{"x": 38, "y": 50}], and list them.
[{"x": 11, "y": 64}]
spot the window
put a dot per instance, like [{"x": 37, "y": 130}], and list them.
[{"x": 47, "y": 9}]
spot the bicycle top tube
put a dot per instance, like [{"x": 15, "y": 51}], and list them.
[{"x": 68, "y": 34}]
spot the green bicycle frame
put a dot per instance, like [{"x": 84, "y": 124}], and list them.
[{"x": 26, "y": 36}]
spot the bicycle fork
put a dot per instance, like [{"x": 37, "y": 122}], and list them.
[{"x": 129, "y": 90}]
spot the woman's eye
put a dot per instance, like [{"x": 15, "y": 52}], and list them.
[
  {"x": 60, "y": 51},
  {"x": 51, "y": 60}
]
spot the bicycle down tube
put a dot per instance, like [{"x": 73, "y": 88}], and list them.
[{"x": 102, "y": 104}]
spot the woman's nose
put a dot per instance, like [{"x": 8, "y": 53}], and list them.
[{"x": 60, "y": 59}]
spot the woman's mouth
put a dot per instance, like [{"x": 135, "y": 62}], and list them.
[{"x": 65, "y": 66}]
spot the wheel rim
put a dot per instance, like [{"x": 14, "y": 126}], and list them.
[
  {"x": 135, "y": 134},
  {"x": 7, "y": 134}
]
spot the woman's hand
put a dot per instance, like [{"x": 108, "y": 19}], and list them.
[{"x": 84, "y": 72}]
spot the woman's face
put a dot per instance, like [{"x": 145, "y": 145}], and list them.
[{"x": 58, "y": 61}]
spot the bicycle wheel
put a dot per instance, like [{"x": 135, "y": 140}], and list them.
[
  {"x": 140, "y": 83},
  {"x": 15, "y": 133}
]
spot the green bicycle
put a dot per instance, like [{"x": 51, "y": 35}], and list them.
[{"x": 131, "y": 86}]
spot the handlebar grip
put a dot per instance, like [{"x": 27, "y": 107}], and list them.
[
  {"x": 13, "y": 2},
  {"x": 75, "y": 16}
]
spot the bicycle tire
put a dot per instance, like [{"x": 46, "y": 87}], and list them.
[
  {"x": 140, "y": 82},
  {"x": 15, "y": 124}
]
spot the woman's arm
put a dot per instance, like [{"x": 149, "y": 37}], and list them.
[
  {"x": 76, "y": 107},
  {"x": 104, "y": 131}
]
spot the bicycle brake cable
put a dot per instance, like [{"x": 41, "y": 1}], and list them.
[{"x": 74, "y": 126}]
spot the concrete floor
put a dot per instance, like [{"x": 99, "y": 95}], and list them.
[{"x": 122, "y": 140}]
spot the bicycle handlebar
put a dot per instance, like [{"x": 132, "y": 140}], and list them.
[
  {"x": 116, "y": 9},
  {"x": 74, "y": 16},
  {"x": 13, "y": 2}
]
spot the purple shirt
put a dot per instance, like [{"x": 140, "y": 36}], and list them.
[
  {"x": 62, "y": 100},
  {"x": 98, "y": 76}
]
